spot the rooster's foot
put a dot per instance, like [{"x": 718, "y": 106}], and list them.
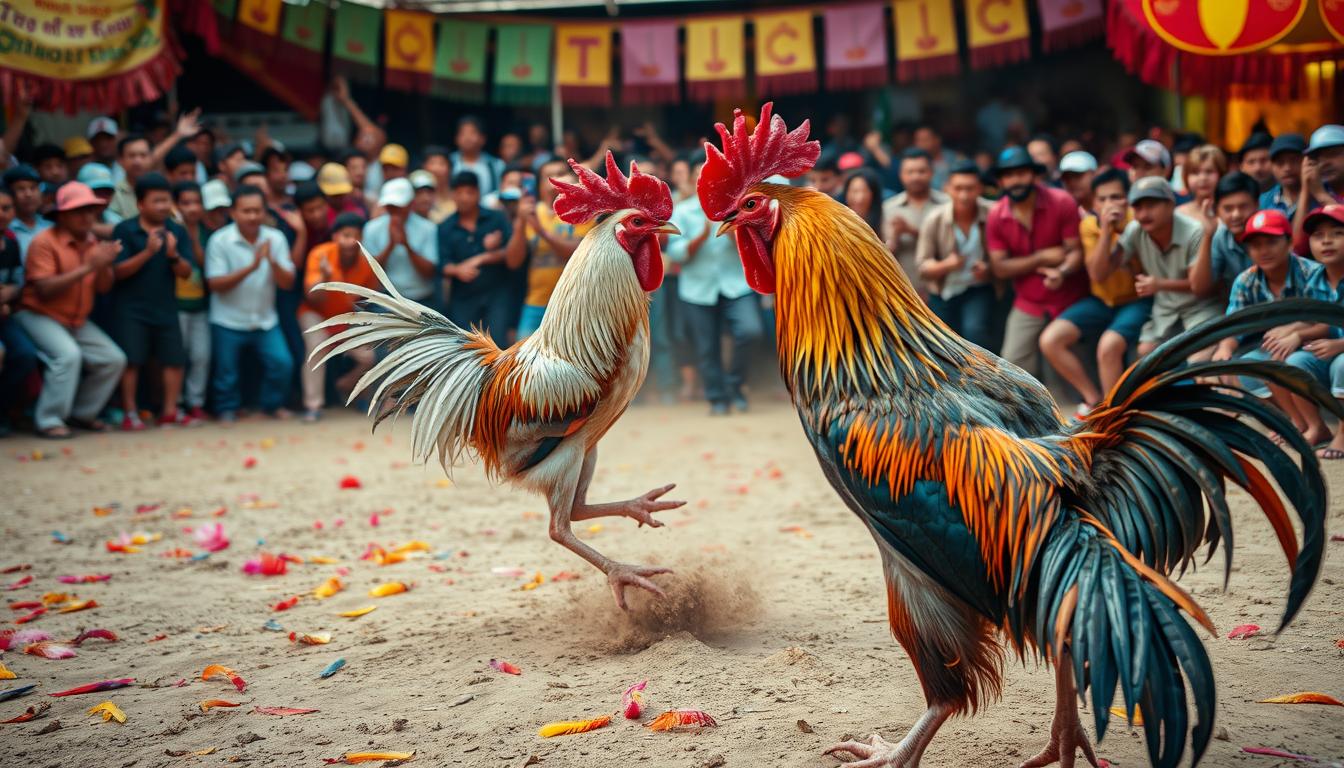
[
  {"x": 641, "y": 508},
  {"x": 875, "y": 752},
  {"x": 1066, "y": 738},
  {"x": 621, "y": 576}
]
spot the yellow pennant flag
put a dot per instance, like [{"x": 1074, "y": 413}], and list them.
[
  {"x": 926, "y": 38},
  {"x": 997, "y": 32},
  {"x": 261, "y": 15},
  {"x": 408, "y": 49},
  {"x": 786, "y": 58},
  {"x": 583, "y": 63},
  {"x": 715, "y": 58}
]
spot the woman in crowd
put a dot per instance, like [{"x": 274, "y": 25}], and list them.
[
  {"x": 862, "y": 193},
  {"x": 1204, "y": 166}
]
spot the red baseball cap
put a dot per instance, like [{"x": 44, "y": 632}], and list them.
[
  {"x": 1267, "y": 222},
  {"x": 1332, "y": 212},
  {"x": 74, "y": 195}
]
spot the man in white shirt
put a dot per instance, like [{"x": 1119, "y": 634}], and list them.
[
  {"x": 404, "y": 243},
  {"x": 244, "y": 264}
]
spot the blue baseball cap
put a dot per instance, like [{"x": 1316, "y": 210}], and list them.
[
  {"x": 1325, "y": 137},
  {"x": 96, "y": 176},
  {"x": 21, "y": 172},
  {"x": 1014, "y": 157},
  {"x": 1287, "y": 142}
]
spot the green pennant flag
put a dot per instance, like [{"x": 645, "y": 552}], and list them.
[
  {"x": 522, "y": 64},
  {"x": 225, "y": 10},
  {"x": 459, "y": 60},
  {"x": 354, "y": 41},
  {"x": 306, "y": 25}
]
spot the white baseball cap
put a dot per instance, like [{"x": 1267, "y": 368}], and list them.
[
  {"x": 215, "y": 194},
  {"x": 1078, "y": 162},
  {"x": 397, "y": 192},
  {"x": 422, "y": 179},
  {"x": 102, "y": 125}
]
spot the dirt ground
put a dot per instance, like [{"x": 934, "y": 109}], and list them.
[{"x": 774, "y": 623}]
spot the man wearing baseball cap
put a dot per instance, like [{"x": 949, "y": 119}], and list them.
[
  {"x": 1148, "y": 158},
  {"x": 335, "y": 182},
  {"x": 1076, "y": 170},
  {"x": 1322, "y": 178},
  {"x": 66, "y": 266},
  {"x": 217, "y": 203},
  {"x": 1166, "y": 243},
  {"x": 1044, "y": 261},
  {"x": 102, "y": 134},
  {"x": 26, "y": 187},
  {"x": 1285, "y": 162},
  {"x": 1275, "y": 274},
  {"x": 1325, "y": 228},
  {"x": 405, "y": 244},
  {"x": 78, "y": 151}
]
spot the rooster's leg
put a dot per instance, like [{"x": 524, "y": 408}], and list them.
[
  {"x": 877, "y": 753},
  {"x": 640, "y": 509},
  {"x": 1066, "y": 732},
  {"x": 562, "y": 499}
]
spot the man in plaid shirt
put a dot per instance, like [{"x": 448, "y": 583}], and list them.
[{"x": 1275, "y": 273}]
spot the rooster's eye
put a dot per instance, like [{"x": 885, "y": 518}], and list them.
[
  {"x": 750, "y": 204},
  {"x": 637, "y": 221}
]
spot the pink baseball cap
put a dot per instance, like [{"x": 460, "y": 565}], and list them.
[
  {"x": 73, "y": 195},
  {"x": 849, "y": 161}
]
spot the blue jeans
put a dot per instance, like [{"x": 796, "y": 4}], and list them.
[
  {"x": 970, "y": 313},
  {"x": 529, "y": 320},
  {"x": 1330, "y": 373},
  {"x": 493, "y": 312},
  {"x": 741, "y": 319},
  {"x": 19, "y": 362},
  {"x": 277, "y": 366}
]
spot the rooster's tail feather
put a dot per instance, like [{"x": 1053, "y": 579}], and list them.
[
  {"x": 431, "y": 364},
  {"x": 1170, "y": 434},
  {"x": 1120, "y": 622}
]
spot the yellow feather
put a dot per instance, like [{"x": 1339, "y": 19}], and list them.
[{"x": 567, "y": 727}]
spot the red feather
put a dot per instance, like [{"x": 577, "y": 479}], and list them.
[
  {"x": 749, "y": 158},
  {"x": 594, "y": 195}
]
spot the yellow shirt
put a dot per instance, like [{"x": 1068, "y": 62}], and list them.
[
  {"x": 1118, "y": 289},
  {"x": 546, "y": 266}
]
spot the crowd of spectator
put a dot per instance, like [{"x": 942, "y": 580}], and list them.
[{"x": 174, "y": 274}]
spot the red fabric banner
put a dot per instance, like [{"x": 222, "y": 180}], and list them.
[{"x": 856, "y": 47}]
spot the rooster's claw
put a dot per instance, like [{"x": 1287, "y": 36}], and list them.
[
  {"x": 641, "y": 508},
  {"x": 622, "y": 576}
]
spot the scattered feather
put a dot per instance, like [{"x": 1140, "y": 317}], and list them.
[
  {"x": 266, "y": 564},
  {"x": 88, "y": 578},
  {"x": 285, "y": 605},
  {"x": 632, "y": 700},
  {"x": 30, "y": 616},
  {"x": 332, "y": 668},
  {"x": 1271, "y": 752},
  {"x": 95, "y": 634},
  {"x": 1244, "y": 632},
  {"x": 23, "y": 582},
  {"x": 356, "y": 613},
  {"x": 316, "y": 638},
  {"x": 5, "y": 673},
  {"x": 566, "y": 576},
  {"x": 272, "y": 625},
  {"x": 210, "y": 704},
  {"x": 1121, "y": 713},
  {"x": 1305, "y": 697},
  {"x": 211, "y": 538},
  {"x": 534, "y": 582},
  {"x": 368, "y": 757},
  {"x": 506, "y": 571},
  {"x": 50, "y": 650},
  {"x": 32, "y": 713},
  {"x": 390, "y": 588},
  {"x": 14, "y": 693},
  {"x": 682, "y": 718},
  {"x": 102, "y": 685},
  {"x": 82, "y": 605},
  {"x": 249, "y": 462},
  {"x": 220, "y": 669},
  {"x": 328, "y": 588},
  {"x": 500, "y": 665},
  {"x": 109, "y": 711},
  {"x": 17, "y": 638},
  {"x": 567, "y": 727},
  {"x": 282, "y": 711},
  {"x": 350, "y": 482}
]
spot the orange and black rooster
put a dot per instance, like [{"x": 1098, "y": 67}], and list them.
[
  {"x": 1002, "y": 527},
  {"x": 534, "y": 412}
]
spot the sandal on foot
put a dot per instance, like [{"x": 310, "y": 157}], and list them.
[
  {"x": 55, "y": 433},
  {"x": 1330, "y": 454},
  {"x": 90, "y": 425}
]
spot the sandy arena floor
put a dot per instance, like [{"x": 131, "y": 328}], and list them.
[{"x": 775, "y": 622}]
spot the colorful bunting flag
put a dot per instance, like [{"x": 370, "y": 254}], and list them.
[
  {"x": 583, "y": 63},
  {"x": 225, "y": 10},
  {"x": 459, "y": 60},
  {"x": 523, "y": 64},
  {"x": 715, "y": 62},
  {"x": 354, "y": 41},
  {"x": 856, "y": 46},
  {"x": 997, "y": 32},
  {"x": 649, "y": 63},
  {"x": 786, "y": 57},
  {"x": 1332, "y": 13},
  {"x": 258, "y": 22},
  {"x": 408, "y": 50},
  {"x": 303, "y": 37},
  {"x": 1068, "y": 23},
  {"x": 926, "y": 38}
]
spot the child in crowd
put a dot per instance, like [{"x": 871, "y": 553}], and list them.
[
  {"x": 1325, "y": 230},
  {"x": 193, "y": 299},
  {"x": 1277, "y": 274},
  {"x": 1222, "y": 257}
]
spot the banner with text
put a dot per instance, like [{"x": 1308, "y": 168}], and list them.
[
  {"x": 716, "y": 66},
  {"x": 926, "y": 38},
  {"x": 583, "y": 63},
  {"x": 70, "y": 55}
]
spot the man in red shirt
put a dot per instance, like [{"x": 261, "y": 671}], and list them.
[
  {"x": 66, "y": 266},
  {"x": 1032, "y": 238}
]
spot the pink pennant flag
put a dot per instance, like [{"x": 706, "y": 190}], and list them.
[
  {"x": 856, "y": 46},
  {"x": 649, "y": 63},
  {"x": 1069, "y": 23}
]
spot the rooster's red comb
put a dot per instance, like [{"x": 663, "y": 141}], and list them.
[
  {"x": 594, "y": 195},
  {"x": 749, "y": 158}
]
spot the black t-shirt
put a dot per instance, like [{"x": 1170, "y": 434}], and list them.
[
  {"x": 150, "y": 294},
  {"x": 457, "y": 244}
]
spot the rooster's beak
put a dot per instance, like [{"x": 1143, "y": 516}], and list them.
[
  {"x": 726, "y": 226},
  {"x": 668, "y": 228}
]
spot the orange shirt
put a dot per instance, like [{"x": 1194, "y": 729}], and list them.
[
  {"x": 329, "y": 304},
  {"x": 54, "y": 252}
]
